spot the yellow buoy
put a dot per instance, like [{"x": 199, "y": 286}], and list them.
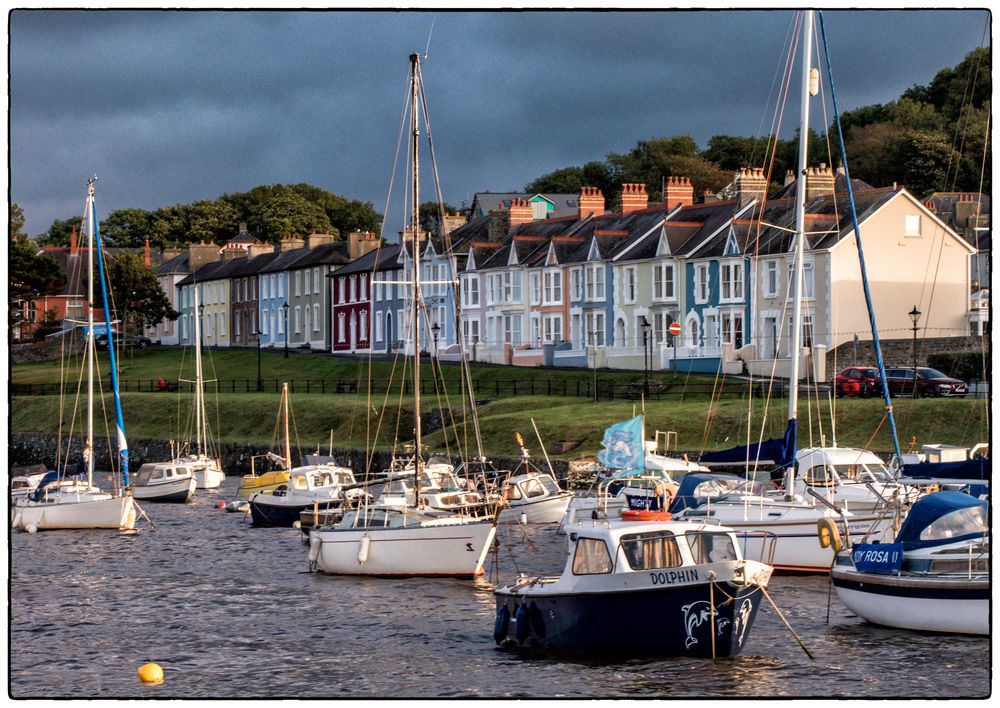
[{"x": 151, "y": 673}]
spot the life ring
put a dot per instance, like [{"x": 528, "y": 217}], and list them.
[
  {"x": 645, "y": 515},
  {"x": 829, "y": 536}
]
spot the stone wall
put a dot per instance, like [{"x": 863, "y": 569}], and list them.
[
  {"x": 899, "y": 352},
  {"x": 30, "y": 449}
]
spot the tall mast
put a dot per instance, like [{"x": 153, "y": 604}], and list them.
[
  {"x": 800, "y": 235},
  {"x": 199, "y": 394},
  {"x": 288, "y": 442},
  {"x": 88, "y": 447},
  {"x": 415, "y": 242}
]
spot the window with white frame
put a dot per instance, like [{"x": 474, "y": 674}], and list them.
[
  {"x": 363, "y": 326},
  {"x": 732, "y": 329},
  {"x": 701, "y": 283},
  {"x": 316, "y": 281},
  {"x": 470, "y": 330},
  {"x": 630, "y": 284},
  {"x": 731, "y": 277},
  {"x": 281, "y": 286},
  {"x": 807, "y": 330},
  {"x": 512, "y": 286},
  {"x": 512, "y": 330},
  {"x": 912, "y": 225},
  {"x": 307, "y": 276},
  {"x": 536, "y": 330},
  {"x": 379, "y": 326},
  {"x": 576, "y": 329},
  {"x": 595, "y": 328},
  {"x": 341, "y": 327},
  {"x": 663, "y": 281},
  {"x": 711, "y": 331},
  {"x": 595, "y": 282},
  {"x": 553, "y": 287},
  {"x": 354, "y": 289},
  {"x": 576, "y": 279},
  {"x": 552, "y": 328},
  {"x": 661, "y": 327},
  {"x": 222, "y": 324},
  {"x": 263, "y": 322},
  {"x": 316, "y": 317},
  {"x": 808, "y": 280},
  {"x": 341, "y": 289},
  {"x": 772, "y": 278},
  {"x": 298, "y": 282},
  {"x": 297, "y": 320},
  {"x": 472, "y": 291},
  {"x": 536, "y": 288},
  {"x": 236, "y": 326},
  {"x": 363, "y": 287}
]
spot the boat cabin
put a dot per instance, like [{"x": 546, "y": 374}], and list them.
[
  {"x": 832, "y": 466},
  {"x": 319, "y": 476},
  {"x": 533, "y": 485},
  {"x": 160, "y": 472}
]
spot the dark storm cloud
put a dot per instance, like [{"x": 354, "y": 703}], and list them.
[{"x": 171, "y": 107}]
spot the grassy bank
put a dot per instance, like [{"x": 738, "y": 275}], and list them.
[{"x": 575, "y": 424}]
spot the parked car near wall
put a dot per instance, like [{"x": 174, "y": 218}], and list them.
[
  {"x": 860, "y": 381},
  {"x": 126, "y": 341},
  {"x": 929, "y": 382}
]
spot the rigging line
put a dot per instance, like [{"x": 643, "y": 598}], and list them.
[
  {"x": 778, "y": 71},
  {"x": 395, "y": 159},
  {"x": 959, "y": 145},
  {"x": 427, "y": 49}
]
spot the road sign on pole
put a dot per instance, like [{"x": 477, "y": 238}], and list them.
[{"x": 675, "y": 328}]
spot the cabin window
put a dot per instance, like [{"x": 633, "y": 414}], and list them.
[
  {"x": 512, "y": 492},
  {"x": 299, "y": 483},
  {"x": 157, "y": 474},
  {"x": 818, "y": 476},
  {"x": 711, "y": 547},
  {"x": 655, "y": 549},
  {"x": 956, "y": 523},
  {"x": 533, "y": 488},
  {"x": 591, "y": 558},
  {"x": 550, "y": 485}
]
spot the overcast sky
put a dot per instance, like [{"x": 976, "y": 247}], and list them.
[{"x": 173, "y": 107}]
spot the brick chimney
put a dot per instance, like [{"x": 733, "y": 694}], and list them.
[
  {"x": 591, "y": 202},
  {"x": 499, "y": 223},
  {"x": 708, "y": 196},
  {"x": 634, "y": 198},
  {"x": 231, "y": 252},
  {"x": 361, "y": 242},
  {"x": 965, "y": 211},
  {"x": 314, "y": 239},
  {"x": 450, "y": 223},
  {"x": 819, "y": 181},
  {"x": 72, "y": 242},
  {"x": 679, "y": 192},
  {"x": 290, "y": 243},
  {"x": 201, "y": 253},
  {"x": 259, "y": 249},
  {"x": 521, "y": 212},
  {"x": 145, "y": 253},
  {"x": 172, "y": 252},
  {"x": 750, "y": 184}
]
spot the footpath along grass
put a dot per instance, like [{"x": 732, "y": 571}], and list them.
[{"x": 252, "y": 418}]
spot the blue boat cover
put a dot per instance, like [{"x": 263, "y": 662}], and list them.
[
  {"x": 50, "y": 477},
  {"x": 776, "y": 451},
  {"x": 976, "y": 468},
  {"x": 929, "y": 509},
  {"x": 685, "y": 498}
]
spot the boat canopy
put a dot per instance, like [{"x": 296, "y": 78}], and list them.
[
  {"x": 977, "y": 468},
  {"x": 696, "y": 488},
  {"x": 943, "y": 517},
  {"x": 778, "y": 452},
  {"x": 51, "y": 477}
]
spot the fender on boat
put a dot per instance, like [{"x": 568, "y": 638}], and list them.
[
  {"x": 363, "y": 546},
  {"x": 502, "y": 624},
  {"x": 521, "y": 618}
]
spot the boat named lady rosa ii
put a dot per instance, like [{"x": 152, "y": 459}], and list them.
[{"x": 935, "y": 577}]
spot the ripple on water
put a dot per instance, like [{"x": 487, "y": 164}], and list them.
[{"x": 227, "y": 610}]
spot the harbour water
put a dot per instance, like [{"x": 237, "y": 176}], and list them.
[{"x": 230, "y": 611}]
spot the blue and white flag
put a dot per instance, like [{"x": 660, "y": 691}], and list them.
[{"x": 624, "y": 447}]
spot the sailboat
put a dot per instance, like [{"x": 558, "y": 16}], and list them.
[
  {"x": 783, "y": 528},
  {"x": 208, "y": 473},
  {"x": 78, "y": 504},
  {"x": 411, "y": 540},
  {"x": 319, "y": 487}
]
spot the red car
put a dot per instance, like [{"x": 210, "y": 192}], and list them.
[
  {"x": 860, "y": 381},
  {"x": 930, "y": 382}
]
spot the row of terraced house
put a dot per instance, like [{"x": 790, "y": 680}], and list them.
[{"x": 556, "y": 280}]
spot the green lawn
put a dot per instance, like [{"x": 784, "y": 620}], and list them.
[{"x": 252, "y": 417}]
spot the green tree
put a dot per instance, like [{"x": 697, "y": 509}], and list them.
[
  {"x": 30, "y": 274},
  {"x": 430, "y": 215},
  {"x": 59, "y": 233},
  {"x": 126, "y": 228},
  {"x": 137, "y": 298},
  {"x": 287, "y": 213}
]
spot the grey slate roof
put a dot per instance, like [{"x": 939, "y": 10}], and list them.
[
  {"x": 380, "y": 259},
  {"x": 563, "y": 204}
]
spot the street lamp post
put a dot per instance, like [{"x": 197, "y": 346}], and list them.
[
  {"x": 915, "y": 318},
  {"x": 645, "y": 359},
  {"x": 436, "y": 329},
  {"x": 201, "y": 315},
  {"x": 260, "y": 381},
  {"x": 285, "y": 308}
]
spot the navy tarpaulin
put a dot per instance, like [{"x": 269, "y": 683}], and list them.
[
  {"x": 929, "y": 509},
  {"x": 685, "y": 498},
  {"x": 50, "y": 478},
  {"x": 776, "y": 451},
  {"x": 977, "y": 468}
]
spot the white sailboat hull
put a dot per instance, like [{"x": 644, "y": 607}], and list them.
[
  {"x": 209, "y": 478},
  {"x": 437, "y": 549},
  {"x": 927, "y": 614},
  {"x": 173, "y": 490},
  {"x": 545, "y": 511},
  {"x": 107, "y": 513}
]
